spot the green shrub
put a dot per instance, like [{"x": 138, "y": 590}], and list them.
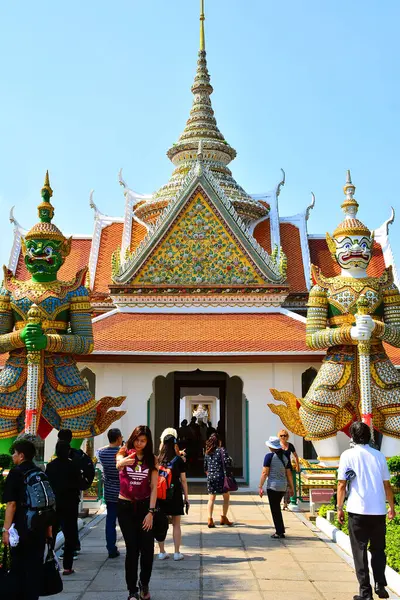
[
  {"x": 5, "y": 461},
  {"x": 394, "y": 468},
  {"x": 324, "y": 509}
]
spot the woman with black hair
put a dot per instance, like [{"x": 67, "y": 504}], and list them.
[
  {"x": 173, "y": 507},
  {"x": 216, "y": 463},
  {"x": 136, "y": 506}
]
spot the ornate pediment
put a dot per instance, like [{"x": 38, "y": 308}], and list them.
[
  {"x": 198, "y": 249},
  {"x": 199, "y": 240}
]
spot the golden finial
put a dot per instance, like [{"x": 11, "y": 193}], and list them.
[
  {"x": 46, "y": 186},
  {"x": 202, "y": 19}
]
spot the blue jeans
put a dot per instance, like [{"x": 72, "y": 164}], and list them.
[{"x": 111, "y": 523}]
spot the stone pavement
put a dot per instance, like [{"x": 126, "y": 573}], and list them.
[{"x": 223, "y": 563}]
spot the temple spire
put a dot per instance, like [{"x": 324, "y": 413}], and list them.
[
  {"x": 216, "y": 152},
  {"x": 202, "y": 35}
]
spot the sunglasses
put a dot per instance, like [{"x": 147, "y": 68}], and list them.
[{"x": 284, "y": 435}]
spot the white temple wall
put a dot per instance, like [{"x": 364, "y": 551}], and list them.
[{"x": 135, "y": 380}]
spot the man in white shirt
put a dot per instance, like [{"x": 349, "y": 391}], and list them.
[{"x": 365, "y": 470}]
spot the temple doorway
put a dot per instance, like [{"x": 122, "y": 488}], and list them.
[{"x": 209, "y": 401}]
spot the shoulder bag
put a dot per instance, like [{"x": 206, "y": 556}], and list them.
[{"x": 230, "y": 484}]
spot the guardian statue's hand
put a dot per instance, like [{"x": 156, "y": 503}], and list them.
[
  {"x": 33, "y": 337},
  {"x": 363, "y": 328}
]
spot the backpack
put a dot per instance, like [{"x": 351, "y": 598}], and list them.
[
  {"x": 86, "y": 468},
  {"x": 40, "y": 500},
  {"x": 165, "y": 487}
]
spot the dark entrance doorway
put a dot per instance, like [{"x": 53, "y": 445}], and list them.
[{"x": 170, "y": 408}]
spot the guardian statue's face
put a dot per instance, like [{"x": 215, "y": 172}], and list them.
[
  {"x": 43, "y": 257},
  {"x": 353, "y": 251}
]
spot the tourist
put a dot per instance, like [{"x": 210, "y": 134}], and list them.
[
  {"x": 27, "y": 556},
  {"x": 65, "y": 478},
  {"x": 210, "y": 429},
  {"x": 82, "y": 459},
  {"x": 364, "y": 471},
  {"x": 136, "y": 506},
  {"x": 278, "y": 473},
  {"x": 174, "y": 507},
  {"x": 107, "y": 459},
  {"x": 216, "y": 463},
  {"x": 85, "y": 465},
  {"x": 288, "y": 450}
]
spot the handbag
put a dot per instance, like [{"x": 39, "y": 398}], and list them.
[
  {"x": 51, "y": 582},
  {"x": 230, "y": 484},
  {"x": 6, "y": 588},
  {"x": 160, "y": 525}
]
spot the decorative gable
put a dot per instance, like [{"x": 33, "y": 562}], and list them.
[{"x": 198, "y": 249}]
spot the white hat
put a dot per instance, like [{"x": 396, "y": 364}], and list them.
[
  {"x": 168, "y": 431},
  {"x": 273, "y": 442}
]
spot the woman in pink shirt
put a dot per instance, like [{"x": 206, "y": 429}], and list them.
[{"x": 136, "y": 506}]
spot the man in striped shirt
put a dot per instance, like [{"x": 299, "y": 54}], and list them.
[{"x": 107, "y": 457}]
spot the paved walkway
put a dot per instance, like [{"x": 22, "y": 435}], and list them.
[{"x": 223, "y": 563}]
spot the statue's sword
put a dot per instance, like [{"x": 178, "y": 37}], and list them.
[
  {"x": 34, "y": 379},
  {"x": 364, "y": 347}
]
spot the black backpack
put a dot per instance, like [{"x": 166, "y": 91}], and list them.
[
  {"x": 86, "y": 467},
  {"x": 40, "y": 500}
]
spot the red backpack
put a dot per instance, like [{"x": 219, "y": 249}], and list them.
[{"x": 165, "y": 487}]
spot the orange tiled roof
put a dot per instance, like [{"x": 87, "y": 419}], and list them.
[
  {"x": 262, "y": 233},
  {"x": 77, "y": 259},
  {"x": 290, "y": 241},
  {"x": 291, "y": 245},
  {"x": 111, "y": 238},
  {"x": 321, "y": 257},
  {"x": 139, "y": 232},
  {"x": 198, "y": 333}
]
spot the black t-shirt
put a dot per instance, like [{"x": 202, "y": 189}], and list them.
[
  {"x": 177, "y": 466},
  {"x": 289, "y": 451},
  {"x": 14, "y": 491},
  {"x": 65, "y": 479}
]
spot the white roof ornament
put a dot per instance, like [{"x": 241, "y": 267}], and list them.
[
  {"x": 14, "y": 221},
  {"x": 281, "y": 183},
  {"x": 92, "y": 205},
  {"x": 389, "y": 221},
  {"x": 310, "y": 206},
  {"x": 121, "y": 179}
]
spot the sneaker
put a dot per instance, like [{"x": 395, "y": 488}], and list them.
[
  {"x": 178, "y": 556},
  {"x": 114, "y": 554},
  {"x": 163, "y": 556},
  {"x": 68, "y": 572},
  {"x": 134, "y": 596}
]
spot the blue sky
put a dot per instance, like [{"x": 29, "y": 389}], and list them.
[{"x": 90, "y": 87}]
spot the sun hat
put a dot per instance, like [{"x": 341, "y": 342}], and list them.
[{"x": 273, "y": 442}]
